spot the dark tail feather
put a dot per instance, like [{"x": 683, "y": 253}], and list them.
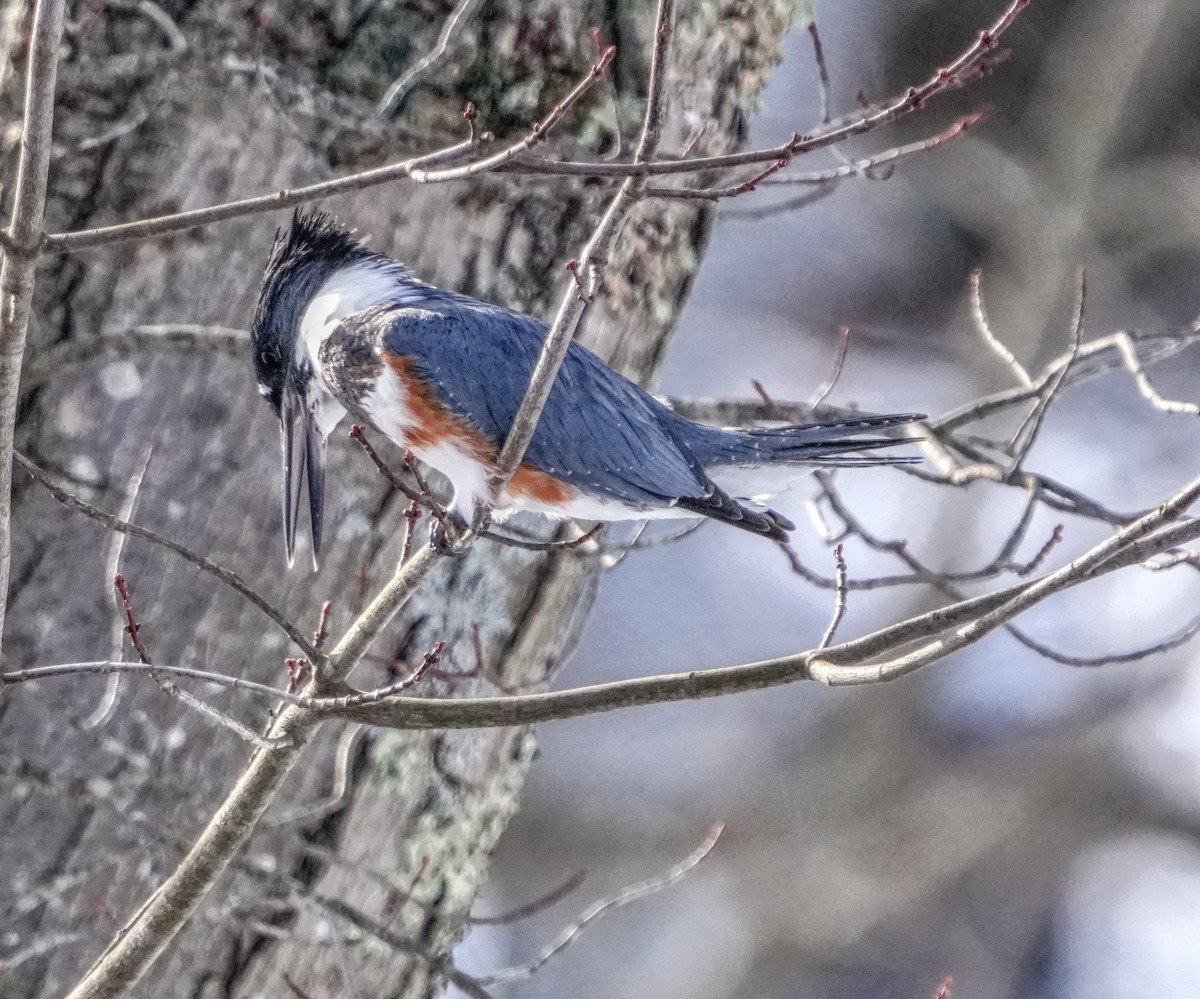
[
  {"x": 719, "y": 505},
  {"x": 822, "y": 443}
]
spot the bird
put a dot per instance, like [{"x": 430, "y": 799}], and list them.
[{"x": 340, "y": 328}]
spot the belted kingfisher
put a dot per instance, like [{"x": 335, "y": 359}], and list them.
[{"x": 340, "y": 328}]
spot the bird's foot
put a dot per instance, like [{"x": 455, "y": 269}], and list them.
[{"x": 446, "y": 533}]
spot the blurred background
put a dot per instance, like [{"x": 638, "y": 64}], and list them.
[{"x": 1026, "y": 827}]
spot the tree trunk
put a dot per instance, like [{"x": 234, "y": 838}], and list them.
[{"x": 101, "y": 804}]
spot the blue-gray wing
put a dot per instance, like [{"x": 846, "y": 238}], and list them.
[{"x": 598, "y": 432}]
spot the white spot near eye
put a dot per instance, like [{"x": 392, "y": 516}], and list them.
[
  {"x": 121, "y": 380},
  {"x": 264, "y": 390}
]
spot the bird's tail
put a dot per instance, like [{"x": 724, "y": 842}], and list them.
[{"x": 829, "y": 444}]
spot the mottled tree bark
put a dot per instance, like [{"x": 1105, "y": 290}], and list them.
[{"x": 99, "y": 813}]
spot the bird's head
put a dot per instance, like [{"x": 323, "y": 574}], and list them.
[{"x": 295, "y": 311}]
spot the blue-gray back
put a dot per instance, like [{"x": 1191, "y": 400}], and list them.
[{"x": 598, "y": 431}]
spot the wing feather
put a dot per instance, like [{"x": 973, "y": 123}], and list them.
[{"x": 599, "y": 431}]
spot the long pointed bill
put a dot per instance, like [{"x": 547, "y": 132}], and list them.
[{"x": 303, "y": 462}]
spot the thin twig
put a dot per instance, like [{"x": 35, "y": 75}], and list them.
[
  {"x": 201, "y": 562},
  {"x": 451, "y": 28},
  {"x": 979, "y": 315},
  {"x": 1129, "y": 358},
  {"x": 107, "y": 667},
  {"x": 108, "y": 702},
  {"x": 1027, "y": 433},
  {"x": 134, "y": 631},
  {"x": 839, "y": 599},
  {"x": 540, "y": 904},
  {"x": 822, "y": 69},
  {"x": 86, "y": 239},
  {"x": 839, "y": 362},
  {"x": 631, "y": 893},
  {"x": 513, "y": 160},
  {"x": 594, "y": 257},
  {"x": 22, "y": 239},
  {"x": 434, "y": 175},
  {"x": 430, "y": 659}
]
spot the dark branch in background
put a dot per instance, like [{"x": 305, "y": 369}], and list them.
[
  {"x": 540, "y": 904},
  {"x": 132, "y": 344}
]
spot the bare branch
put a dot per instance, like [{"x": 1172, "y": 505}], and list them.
[
  {"x": 1127, "y": 350},
  {"x": 201, "y": 562},
  {"x": 133, "y": 343},
  {"x": 839, "y": 362},
  {"x": 87, "y": 239},
  {"x": 839, "y": 599},
  {"x": 107, "y": 667},
  {"x": 1157, "y": 345},
  {"x": 422, "y": 169},
  {"x": 471, "y": 986},
  {"x": 435, "y": 175},
  {"x": 979, "y": 315},
  {"x": 1026, "y": 435},
  {"x": 21, "y": 246},
  {"x": 104, "y": 709},
  {"x": 451, "y": 29},
  {"x": 859, "y": 661},
  {"x": 431, "y": 659},
  {"x": 822, "y": 69},
  {"x": 632, "y": 893},
  {"x": 552, "y": 897},
  {"x": 134, "y": 631},
  {"x": 594, "y": 257}
]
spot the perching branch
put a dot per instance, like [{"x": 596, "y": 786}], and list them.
[{"x": 595, "y": 255}]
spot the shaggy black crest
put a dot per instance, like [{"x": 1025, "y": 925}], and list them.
[{"x": 313, "y": 247}]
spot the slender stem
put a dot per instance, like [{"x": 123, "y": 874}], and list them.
[
  {"x": 575, "y": 300},
  {"x": 21, "y": 245},
  {"x": 66, "y": 242}
]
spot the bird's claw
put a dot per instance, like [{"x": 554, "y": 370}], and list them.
[{"x": 445, "y": 534}]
